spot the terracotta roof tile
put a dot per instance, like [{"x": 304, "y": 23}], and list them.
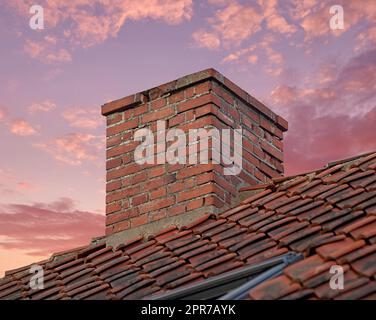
[
  {"x": 352, "y": 281},
  {"x": 274, "y": 289},
  {"x": 328, "y": 215}
]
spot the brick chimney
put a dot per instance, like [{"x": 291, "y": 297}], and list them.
[{"x": 145, "y": 198}]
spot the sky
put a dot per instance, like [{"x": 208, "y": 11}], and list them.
[{"x": 54, "y": 80}]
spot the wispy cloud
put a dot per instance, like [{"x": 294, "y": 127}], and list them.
[
  {"x": 44, "y": 228},
  {"x": 206, "y": 39},
  {"x": 231, "y": 24},
  {"x": 43, "y": 106},
  {"x": 46, "y": 51},
  {"x": 23, "y": 128},
  {"x": 74, "y": 148},
  {"x": 331, "y": 119},
  {"x": 82, "y": 23},
  {"x": 83, "y": 118},
  {"x": 3, "y": 113}
]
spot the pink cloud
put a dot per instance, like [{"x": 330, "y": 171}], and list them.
[
  {"x": 34, "y": 49},
  {"x": 283, "y": 94},
  {"x": 62, "y": 55},
  {"x": 23, "y": 185},
  {"x": 366, "y": 38},
  {"x": 43, "y": 106},
  {"x": 46, "y": 51},
  {"x": 63, "y": 204},
  {"x": 74, "y": 148},
  {"x": 231, "y": 24},
  {"x": 236, "y": 22},
  {"x": 84, "y": 118},
  {"x": 314, "y": 141},
  {"x": 274, "y": 20},
  {"x": 314, "y": 16},
  {"x": 3, "y": 113},
  {"x": 83, "y": 23},
  {"x": 330, "y": 120},
  {"x": 22, "y": 128},
  {"x": 206, "y": 39},
  {"x": 42, "y": 229},
  {"x": 253, "y": 58}
]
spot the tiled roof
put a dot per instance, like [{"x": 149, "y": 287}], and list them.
[{"x": 328, "y": 215}]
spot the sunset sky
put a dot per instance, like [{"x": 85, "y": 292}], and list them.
[{"x": 53, "y": 81}]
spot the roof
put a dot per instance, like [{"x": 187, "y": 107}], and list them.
[{"x": 329, "y": 216}]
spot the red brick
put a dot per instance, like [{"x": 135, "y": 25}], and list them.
[
  {"x": 224, "y": 95},
  {"x": 204, "y": 178},
  {"x": 189, "y": 92},
  {"x": 121, "y": 226},
  {"x": 114, "y": 185},
  {"x": 121, "y": 216},
  {"x": 156, "y": 171},
  {"x": 128, "y": 113},
  {"x": 268, "y": 171},
  {"x": 234, "y": 113},
  {"x": 139, "y": 199},
  {"x": 250, "y": 113},
  {"x": 113, "y": 141},
  {"x": 203, "y": 87},
  {"x": 120, "y": 150},
  {"x": 158, "y": 215},
  {"x": 157, "y": 204},
  {"x": 140, "y": 110},
  {"x": 113, "y": 163},
  {"x": 138, "y": 221},
  {"x": 114, "y": 118},
  {"x": 175, "y": 210},
  {"x": 122, "y": 103},
  {"x": 158, "y": 115},
  {"x": 113, "y": 207},
  {"x": 267, "y": 125},
  {"x": 222, "y": 182},
  {"x": 282, "y": 122},
  {"x": 194, "y": 103},
  {"x": 213, "y": 201},
  {"x": 195, "y": 204},
  {"x": 158, "y": 104},
  {"x": 127, "y": 158},
  {"x": 180, "y": 185},
  {"x": 122, "y": 194},
  {"x": 258, "y": 152},
  {"x": 176, "y": 97},
  {"x": 176, "y": 120},
  {"x": 199, "y": 191},
  {"x": 272, "y": 151},
  {"x": 158, "y": 182},
  {"x": 139, "y": 177},
  {"x": 125, "y": 171},
  {"x": 278, "y": 143},
  {"x": 195, "y": 170},
  {"x": 158, "y": 193},
  {"x": 127, "y": 125}
]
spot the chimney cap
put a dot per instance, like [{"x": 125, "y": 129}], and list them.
[{"x": 186, "y": 81}]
